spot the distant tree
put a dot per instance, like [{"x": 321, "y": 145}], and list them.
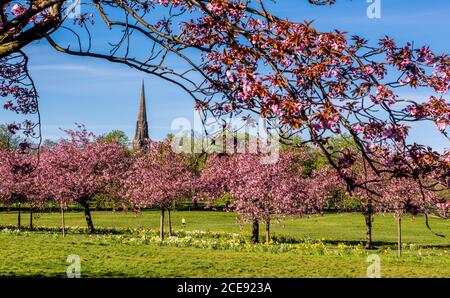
[
  {"x": 49, "y": 143},
  {"x": 8, "y": 140},
  {"x": 170, "y": 137},
  {"x": 118, "y": 137}
]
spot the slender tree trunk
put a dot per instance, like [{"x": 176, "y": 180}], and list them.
[
  {"x": 31, "y": 218},
  {"x": 161, "y": 225},
  {"x": 169, "y": 218},
  {"x": 268, "y": 230},
  {"x": 399, "y": 235},
  {"x": 368, "y": 216},
  {"x": 18, "y": 218},
  {"x": 63, "y": 223},
  {"x": 255, "y": 231},
  {"x": 87, "y": 215}
]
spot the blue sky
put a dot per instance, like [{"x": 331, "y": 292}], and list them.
[{"x": 104, "y": 96}]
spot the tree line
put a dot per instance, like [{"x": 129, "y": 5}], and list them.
[{"x": 77, "y": 169}]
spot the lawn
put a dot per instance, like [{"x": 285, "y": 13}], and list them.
[{"x": 325, "y": 246}]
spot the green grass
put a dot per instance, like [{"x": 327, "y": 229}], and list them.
[{"x": 44, "y": 253}]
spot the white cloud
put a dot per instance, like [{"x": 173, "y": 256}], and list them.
[{"x": 87, "y": 70}]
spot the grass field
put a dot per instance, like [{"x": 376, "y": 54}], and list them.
[{"x": 324, "y": 246}]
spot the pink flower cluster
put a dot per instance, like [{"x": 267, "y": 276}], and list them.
[{"x": 261, "y": 191}]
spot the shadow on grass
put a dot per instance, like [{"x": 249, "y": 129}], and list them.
[
  {"x": 383, "y": 244},
  {"x": 376, "y": 244},
  {"x": 276, "y": 238},
  {"x": 71, "y": 230}
]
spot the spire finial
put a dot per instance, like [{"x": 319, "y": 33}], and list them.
[{"x": 141, "y": 126}]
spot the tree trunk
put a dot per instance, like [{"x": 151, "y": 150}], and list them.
[
  {"x": 255, "y": 231},
  {"x": 161, "y": 225},
  {"x": 18, "y": 218},
  {"x": 399, "y": 235},
  {"x": 170, "y": 222},
  {"x": 368, "y": 218},
  {"x": 63, "y": 223},
  {"x": 268, "y": 230},
  {"x": 31, "y": 218},
  {"x": 87, "y": 215}
]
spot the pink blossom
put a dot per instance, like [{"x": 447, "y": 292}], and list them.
[{"x": 17, "y": 9}]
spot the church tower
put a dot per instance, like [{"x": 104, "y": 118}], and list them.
[{"x": 141, "y": 135}]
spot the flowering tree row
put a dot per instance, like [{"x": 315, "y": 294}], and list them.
[{"x": 76, "y": 169}]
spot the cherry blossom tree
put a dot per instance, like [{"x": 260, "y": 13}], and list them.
[
  {"x": 262, "y": 191},
  {"x": 396, "y": 195},
  {"x": 158, "y": 178},
  {"x": 46, "y": 177},
  {"x": 19, "y": 182},
  {"x": 77, "y": 169},
  {"x": 367, "y": 198},
  {"x": 405, "y": 195}
]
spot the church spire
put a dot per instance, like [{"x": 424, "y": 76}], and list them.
[{"x": 141, "y": 126}]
